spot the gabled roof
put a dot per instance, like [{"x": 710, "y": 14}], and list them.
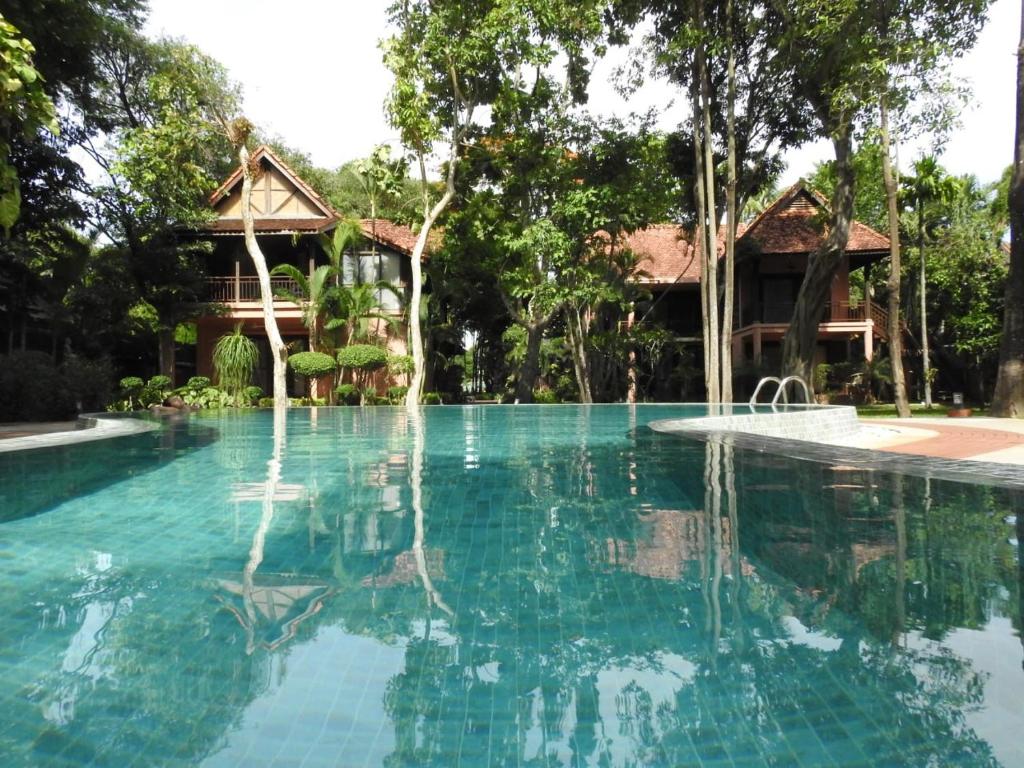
[
  {"x": 790, "y": 225},
  {"x": 264, "y": 152}
]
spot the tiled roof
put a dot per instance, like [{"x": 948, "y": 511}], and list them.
[
  {"x": 397, "y": 236},
  {"x": 789, "y": 225}
]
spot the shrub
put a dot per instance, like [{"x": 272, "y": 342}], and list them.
[
  {"x": 362, "y": 357},
  {"x": 432, "y": 398},
  {"x": 370, "y": 397},
  {"x": 32, "y": 389},
  {"x": 150, "y": 395},
  {"x": 396, "y": 395},
  {"x": 347, "y": 394},
  {"x": 822, "y": 372},
  {"x": 235, "y": 358},
  {"x": 160, "y": 383},
  {"x": 198, "y": 383},
  {"x": 131, "y": 385},
  {"x": 90, "y": 381},
  {"x": 545, "y": 396},
  {"x": 265, "y": 402},
  {"x": 312, "y": 365},
  {"x": 253, "y": 395},
  {"x": 400, "y": 365}
]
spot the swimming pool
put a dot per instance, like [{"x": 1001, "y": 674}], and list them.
[{"x": 537, "y": 585}]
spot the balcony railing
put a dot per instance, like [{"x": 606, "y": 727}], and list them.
[
  {"x": 245, "y": 289},
  {"x": 835, "y": 312}
]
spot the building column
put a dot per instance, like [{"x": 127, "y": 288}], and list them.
[
  {"x": 757, "y": 345},
  {"x": 869, "y": 341}
]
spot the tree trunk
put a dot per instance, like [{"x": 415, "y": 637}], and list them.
[
  {"x": 577, "y": 345},
  {"x": 700, "y": 238},
  {"x": 1008, "y": 399},
  {"x": 710, "y": 265},
  {"x": 800, "y": 341},
  {"x": 894, "y": 330},
  {"x": 530, "y": 368},
  {"x": 730, "y": 215},
  {"x": 165, "y": 343},
  {"x": 412, "y": 397},
  {"x": 926, "y": 363},
  {"x": 278, "y": 351}
]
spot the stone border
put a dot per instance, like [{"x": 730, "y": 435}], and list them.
[
  {"x": 957, "y": 470},
  {"x": 817, "y": 423},
  {"x": 89, "y": 428}
]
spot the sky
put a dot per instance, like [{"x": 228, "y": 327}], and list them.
[{"x": 311, "y": 73}]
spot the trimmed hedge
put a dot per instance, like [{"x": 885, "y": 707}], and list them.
[
  {"x": 312, "y": 365},
  {"x": 364, "y": 357}
]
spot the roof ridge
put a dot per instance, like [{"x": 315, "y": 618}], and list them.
[{"x": 264, "y": 151}]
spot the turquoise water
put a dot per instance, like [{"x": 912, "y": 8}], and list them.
[{"x": 529, "y": 586}]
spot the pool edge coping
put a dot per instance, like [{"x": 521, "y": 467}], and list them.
[{"x": 89, "y": 427}]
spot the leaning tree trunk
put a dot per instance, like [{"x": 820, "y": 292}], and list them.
[
  {"x": 894, "y": 330},
  {"x": 278, "y": 351},
  {"x": 1008, "y": 399},
  {"x": 801, "y": 339},
  {"x": 430, "y": 214}
]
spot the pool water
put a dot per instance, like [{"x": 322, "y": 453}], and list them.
[{"x": 527, "y": 586}]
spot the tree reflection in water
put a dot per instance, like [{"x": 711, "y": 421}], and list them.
[{"x": 621, "y": 599}]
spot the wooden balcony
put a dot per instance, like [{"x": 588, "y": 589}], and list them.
[
  {"x": 244, "y": 290},
  {"x": 841, "y": 313}
]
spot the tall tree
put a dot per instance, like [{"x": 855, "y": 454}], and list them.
[
  {"x": 1008, "y": 399},
  {"x": 238, "y": 131},
  {"x": 839, "y": 55}
]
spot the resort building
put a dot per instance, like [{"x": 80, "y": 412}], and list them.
[
  {"x": 771, "y": 258},
  {"x": 289, "y": 218}
]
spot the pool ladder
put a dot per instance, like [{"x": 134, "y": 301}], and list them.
[{"x": 781, "y": 390}]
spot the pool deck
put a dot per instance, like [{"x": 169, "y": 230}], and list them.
[{"x": 976, "y": 439}]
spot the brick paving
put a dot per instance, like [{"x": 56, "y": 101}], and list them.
[{"x": 951, "y": 441}]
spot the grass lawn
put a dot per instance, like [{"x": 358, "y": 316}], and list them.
[{"x": 888, "y": 410}]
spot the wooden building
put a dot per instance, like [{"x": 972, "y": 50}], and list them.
[{"x": 289, "y": 217}]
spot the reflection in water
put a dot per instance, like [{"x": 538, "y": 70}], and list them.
[{"x": 510, "y": 586}]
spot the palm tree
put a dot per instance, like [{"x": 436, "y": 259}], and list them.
[
  {"x": 357, "y": 309},
  {"x": 929, "y": 184},
  {"x": 313, "y": 296}
]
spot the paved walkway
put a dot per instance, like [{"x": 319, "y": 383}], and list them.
[
  {"x": 978, "y": 439},
  {"x": 25, "y": 429}
]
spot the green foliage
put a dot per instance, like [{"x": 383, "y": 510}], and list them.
[
  {"x": 252, "y": 395},
  {"x": 265, "y": 402},
  {"x": 209, "y": 397},
  {"x": 362, "y": 357},
  {"x": 160, "y": 383},
  {"x": 347, "y": 394},
  {"x": 545, "y": 396},
  {"x": 32, "y": 388},
  {"x": 131, "y": 385},
  {"x": 370, "y": 396},
  {"x": 24, "y": 108},
  {"x": 312, "y": 365},
  {"x": 432, "y": 398},
  {"x": 400, "y": 365},
  {"x": 90, "y": 381},
  {"x": 821, "y": 376},
  {"x": 396, "y": 394},
  {"x": 197, "y": 384},
  {"x": 235, "y": 357}
]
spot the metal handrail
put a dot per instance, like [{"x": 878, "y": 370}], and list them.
[
  {"x": 761, "y": 383},
  {"x": 782, "y": 390}
]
